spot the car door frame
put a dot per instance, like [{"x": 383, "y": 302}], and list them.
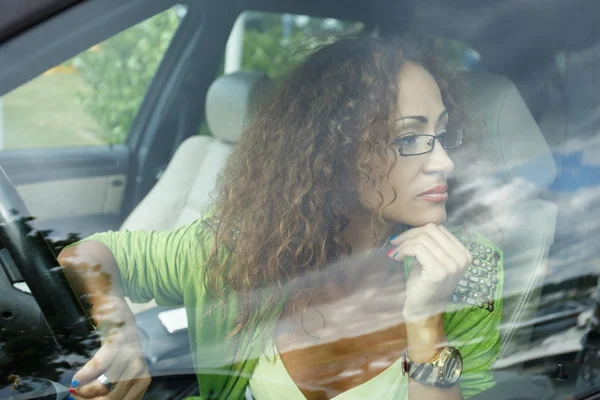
[{"x": 63, "y": 36}]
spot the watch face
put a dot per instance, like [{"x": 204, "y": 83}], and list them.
[{"x": 452, "y": 367}]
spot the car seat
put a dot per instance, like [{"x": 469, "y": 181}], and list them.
[{"x": 184, "y": 188}]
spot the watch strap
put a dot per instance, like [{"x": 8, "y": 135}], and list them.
[
  {"x": 428, "y": 373},
  {"x": 421, "y": 372}
]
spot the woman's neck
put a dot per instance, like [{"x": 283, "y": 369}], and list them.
[
  {"x": 344, "y": 279},
  {"x": 366, "y": 240},
  {"x": 364, "y": 235}
]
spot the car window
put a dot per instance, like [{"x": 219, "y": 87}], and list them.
[{"x": 92, "y": 98}]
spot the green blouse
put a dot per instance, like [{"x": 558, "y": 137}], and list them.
[{"x": 168, "y": 266}]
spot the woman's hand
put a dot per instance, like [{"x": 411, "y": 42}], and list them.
[
  {"x": 439, "y": 263},
  {"x": 119, "y": 359}
]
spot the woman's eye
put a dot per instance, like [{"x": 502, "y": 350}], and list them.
[{"x": 408, "y": 141}]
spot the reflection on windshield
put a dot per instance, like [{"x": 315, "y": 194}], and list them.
[{"x": 351, "y": 247}]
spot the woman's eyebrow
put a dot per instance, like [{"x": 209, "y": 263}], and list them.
[{"x": 423, "y": 119}]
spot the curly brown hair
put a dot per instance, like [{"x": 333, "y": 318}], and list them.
[{"x": 285, "y": 193}]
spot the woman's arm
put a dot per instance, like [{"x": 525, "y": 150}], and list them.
[
  {"x": 92, "y": 272},
  {"x": 142, "y": 265},
  {"x": 440, "y": 260}
]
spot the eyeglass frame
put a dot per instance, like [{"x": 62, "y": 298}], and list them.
[{"x": 434, "y": 139}]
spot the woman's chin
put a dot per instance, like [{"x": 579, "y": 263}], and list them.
[
  {"x": 437, "y": 217},
  {"x": 419, "y": 217}
]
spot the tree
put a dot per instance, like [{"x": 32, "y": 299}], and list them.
[
  {"x": 119, "y": 71},
  {"x": 265, "y": 48}
]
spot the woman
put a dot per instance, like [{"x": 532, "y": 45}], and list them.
[{"x": 330, "y": 213}]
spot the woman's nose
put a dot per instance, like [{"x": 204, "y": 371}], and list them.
[{"x": 438, "y": 161}]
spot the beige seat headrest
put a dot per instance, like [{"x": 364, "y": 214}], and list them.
[{"x": 231, "y": 100}]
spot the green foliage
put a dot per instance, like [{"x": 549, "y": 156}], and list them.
[
  {"x": 119, "y": 71},
  {"x": 262, "y": 51},
  {"x": 452, "y": 51},
  {"x": 266, "y": 50}
]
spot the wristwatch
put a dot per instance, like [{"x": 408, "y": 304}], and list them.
[{"x": 443, "y": 371}]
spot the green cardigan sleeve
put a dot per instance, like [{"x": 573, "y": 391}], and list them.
[{"x": 156, "y": 264}]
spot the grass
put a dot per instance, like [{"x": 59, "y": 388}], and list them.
[{"x": 46, "y": 112}]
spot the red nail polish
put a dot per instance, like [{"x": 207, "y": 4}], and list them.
[
  {"x": 72, "y": 390},
  {"x": 392, "y": 251}
]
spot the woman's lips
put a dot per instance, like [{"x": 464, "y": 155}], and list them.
[
  {"x": 435, "y": 197},
  {"x": 436, "y": 194}
]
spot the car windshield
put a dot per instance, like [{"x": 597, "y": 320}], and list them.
[{"x": 288, "y": 200}]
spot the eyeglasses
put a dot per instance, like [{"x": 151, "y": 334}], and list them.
[{"x": 415, "y": 145}]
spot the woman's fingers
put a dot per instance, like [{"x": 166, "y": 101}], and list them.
[
  {"x": 440, "y": 262},
  {"x": 119, "y": 361},
  {"x": 132, "y": 383},
  {"x": 138, "y": 389},
  {"x": 406, "y": 235},
  {"x": 453, "y": 248},
  {"x": 136, "y": 375},
  {"x": 124, "y": 390},
  {"x": 437, "y": 251},
  {"x": 450, "y": 247},
  {"x": 444, "y": 264},
  {"x": 95, "y": 388},
  {"x": 118, "y": 392},
  {"x": 121, "y": 356},
  {"x": 458, "y": 244},
  {"x": 103, "y": 358},
  {"x": 424, "y": 252},
  {"x": 127, "y": 375}
]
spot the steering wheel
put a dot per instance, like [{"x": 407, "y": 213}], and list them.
[{"x": 65, "y": 316}]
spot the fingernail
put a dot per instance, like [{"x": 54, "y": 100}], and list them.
[
  {"x": 75, "y": 384},
  {"x": 392, "y": 253},
  {"x": 394, "y": 237},
  {"x": 72, "y": 390},
  {"x": 70, "y": 398}
]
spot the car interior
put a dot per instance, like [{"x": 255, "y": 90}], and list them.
[{"x": 535, "y": 93}]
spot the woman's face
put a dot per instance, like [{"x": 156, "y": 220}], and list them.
[{"x": 420, "y": 111}]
